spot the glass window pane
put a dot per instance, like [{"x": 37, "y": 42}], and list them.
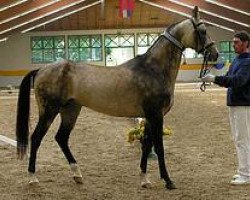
[
  {"x": 152, "y": 38},
  {"x": 232, "y": 57},
  {"x": 111, "y": 41},
  {"x": 142, "y": 50},
  {"x": 96, "y": 54},
  {"x": 74, "y": 54},
  {"x": 84, "y": 54},
  {"x": 142, "y": 40},
  {"x": 36, "y": 43},
  {"x": 190, "y": 53},
  {"x": 231, "y": 47},
  {"x": 96, "y": 41},
  {"x": 126, "y": 40},
  {"x": 224, "y": 47},
  {"x": 48, "y": 55},
  {"x": 37, "y": 56},
  {"x": 224, "y": 57},
  {"x": 59, "y": 54},
  {"x": 85, "y": 41},
  {"x": 48, "y": 42},
  {"x": 73, "y": 41},
  {"x": 119, "y": 55},
  {"x": 59, "y": 42}
]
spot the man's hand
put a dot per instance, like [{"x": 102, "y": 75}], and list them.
[{"x": 208, "y": 78}]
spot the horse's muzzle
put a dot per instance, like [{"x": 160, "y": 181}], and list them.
[
  {"x": 212, "y": 56},
  {"x": 212, "y": 52}
]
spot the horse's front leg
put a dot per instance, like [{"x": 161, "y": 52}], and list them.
[
  {"x": 146, "y": 149},
  {"x": 157, "y": 134}
]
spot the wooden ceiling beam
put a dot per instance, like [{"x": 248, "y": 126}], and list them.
[
  {"x": 163, "y": 4},
  {"x": 52, "y": 17},
  {"x": 24, "y": 7},
  {"x": 6, "y": 2},
  {"x": 242, "y": 5},
  {"x": 36, "y": 15},
  {"x": 10, "y": 3},
  {"x": 218, "y": 10}
]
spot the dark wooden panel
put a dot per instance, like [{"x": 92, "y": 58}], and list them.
[{"x": 144, "y": 16}]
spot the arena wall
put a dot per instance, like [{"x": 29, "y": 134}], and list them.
[{"x": 15, "y": 54}]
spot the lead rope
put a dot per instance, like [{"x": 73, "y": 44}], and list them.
[{"x": 204, "y": 70}]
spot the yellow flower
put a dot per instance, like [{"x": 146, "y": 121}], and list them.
[{"x": 138, "y": 132}]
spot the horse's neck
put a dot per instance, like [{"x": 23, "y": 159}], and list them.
[
  {"x": 182, "y": 32},
  {"x": 168, "y": 58}
]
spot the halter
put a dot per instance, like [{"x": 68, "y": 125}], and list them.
[
  {"x": 172, "y": 39},
  {"x": 200, "y": 38}
]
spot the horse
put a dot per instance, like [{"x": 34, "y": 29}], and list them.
[{"x": 141, "y": 87}]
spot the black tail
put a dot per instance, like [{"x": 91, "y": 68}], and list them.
[{"x": 23, "y": 108}]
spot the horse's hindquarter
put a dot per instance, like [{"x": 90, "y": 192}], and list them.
[{"x": 107, "y": 90}]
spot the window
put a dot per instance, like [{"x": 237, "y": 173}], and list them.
[
  {"x": 226, "y": 51},
  {"x": 119, "y": 48},
  {"x": 85, "y": 48},
  {"x": 47, "y": 49},
  {"x": 145, "y": 40}
]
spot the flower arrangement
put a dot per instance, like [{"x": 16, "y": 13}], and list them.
[{"x": 138, "y": 132}]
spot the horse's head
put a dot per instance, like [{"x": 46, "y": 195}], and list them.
[{"x": 192, "y": 33}]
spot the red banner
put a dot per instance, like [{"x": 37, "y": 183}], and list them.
[{"x": 126, "y": 8}]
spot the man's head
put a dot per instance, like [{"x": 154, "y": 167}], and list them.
[{"x": 241, "y": 42}]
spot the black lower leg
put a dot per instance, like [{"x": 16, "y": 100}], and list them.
[
  {"x": 157, "y": 127},
  {"x": 62, "y": 138},
  {"x": 69, "y": 114},
  {"x": 36, "y": 138},
  {"x": 146, "y": 147}
]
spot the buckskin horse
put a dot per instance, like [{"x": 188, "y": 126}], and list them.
[{"x": 141, "y": 87}]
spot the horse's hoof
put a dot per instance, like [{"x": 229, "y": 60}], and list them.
[
  {"x": 34, "y": 182},
  {"x": 147, "y": 184},
  {"x": 170, "y": 186},
  {"x": 78, "y": 179}
]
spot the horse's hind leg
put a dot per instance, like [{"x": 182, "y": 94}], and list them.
[
  {"x": 69, "y": 114},
  {"x": 46, "y": 118}
]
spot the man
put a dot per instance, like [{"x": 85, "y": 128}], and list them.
[{"x": 237, "y": 80}]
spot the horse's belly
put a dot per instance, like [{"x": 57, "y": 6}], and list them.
[
  {"x": 119, "y": 111},
  {"x": 122, "y": 107}
]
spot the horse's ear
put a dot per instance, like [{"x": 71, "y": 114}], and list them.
[{"x": 196, "y": 13}]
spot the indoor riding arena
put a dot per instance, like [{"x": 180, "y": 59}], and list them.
[{"x": 200, "y": 155}]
